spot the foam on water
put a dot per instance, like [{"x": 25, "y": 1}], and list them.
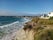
[
  {"x": 12, "y": 28},
  {"x": 14, "y": 23},
  {"x": 9, "y": 24}
]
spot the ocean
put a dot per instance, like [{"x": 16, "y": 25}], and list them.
[
  {"x": 11, "y": 24},
  {"x": 9, "y": 19}
]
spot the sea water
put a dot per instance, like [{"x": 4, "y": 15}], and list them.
[
  {"x": 8, "y": 19},
  {"x": 10, "y": 24}
]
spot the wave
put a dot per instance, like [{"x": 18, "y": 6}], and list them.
[
  {"x": 10, "y": 29},
  {"x": 15, "y": 23},
  {"x": 9, "y": 24}
]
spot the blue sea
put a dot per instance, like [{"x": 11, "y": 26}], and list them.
[
  {"x": 9, "y": 19},
  {"x": 11, "y": 24}
]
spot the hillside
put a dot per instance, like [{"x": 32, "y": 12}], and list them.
[{"x": 37, "y": 29}]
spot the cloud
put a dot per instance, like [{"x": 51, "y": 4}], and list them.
[
  {"x": 6, "y": 12},
  {"x": 16, "y": 13}
]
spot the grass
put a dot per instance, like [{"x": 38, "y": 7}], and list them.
[
  {"x": 42, "y": 32},
  {"x": 43, "y": 21},
  {"x": 44, "y": 35}
]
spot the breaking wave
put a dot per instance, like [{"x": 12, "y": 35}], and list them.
[{"x": 14, "y": 26}]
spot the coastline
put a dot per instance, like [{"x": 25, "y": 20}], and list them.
[{"x": 13, "y": 33}]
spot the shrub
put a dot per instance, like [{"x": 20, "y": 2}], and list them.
[
  {"x": 44, "y": 35},
  {"x": 36, "y": 19},
  {"x": 43, "y": 21},
  {"x": 51, "y": 17}
]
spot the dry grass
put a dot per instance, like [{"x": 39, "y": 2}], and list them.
[{"x": 42, "y": 27}]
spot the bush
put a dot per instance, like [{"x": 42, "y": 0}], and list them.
[
  {"x": 51, "y": 17},
  {"x": 43, "y": 21},
  {"x": 44, "y": 35},
  {"x": 41, "y": 31},
  {"x": 36, "y": 19}
]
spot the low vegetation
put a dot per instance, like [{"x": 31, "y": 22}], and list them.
[
  {"x": 43, "y": 28},
  {"x": 44, "y": 35},
  {"x": 43, "y": 21}
]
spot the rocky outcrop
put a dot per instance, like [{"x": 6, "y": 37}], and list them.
[
  {"x": 27, "y": 34},
  {"x": 24, "y": 35}
]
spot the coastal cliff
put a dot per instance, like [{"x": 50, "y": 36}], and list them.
[
  {"x": 22, "y": 35},
  {"x": 37, "y": 29}
]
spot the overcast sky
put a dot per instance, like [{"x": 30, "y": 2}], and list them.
[{"x": 25, "y": 7}]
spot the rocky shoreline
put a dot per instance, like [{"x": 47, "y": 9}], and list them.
[{"x": 11, "y": 36}]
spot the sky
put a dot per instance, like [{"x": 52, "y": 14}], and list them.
[{"x": 25, "y": 7}]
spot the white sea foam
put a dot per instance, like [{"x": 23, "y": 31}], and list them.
[
  {"x": 14, "y": 23},
  {"x": 12, "y": 28},
  {"x": 9, "y": 24}
]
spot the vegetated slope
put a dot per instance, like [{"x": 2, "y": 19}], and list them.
[
  {"x": 37, "y": 29},
  {"x": 42, "y": 29}
]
